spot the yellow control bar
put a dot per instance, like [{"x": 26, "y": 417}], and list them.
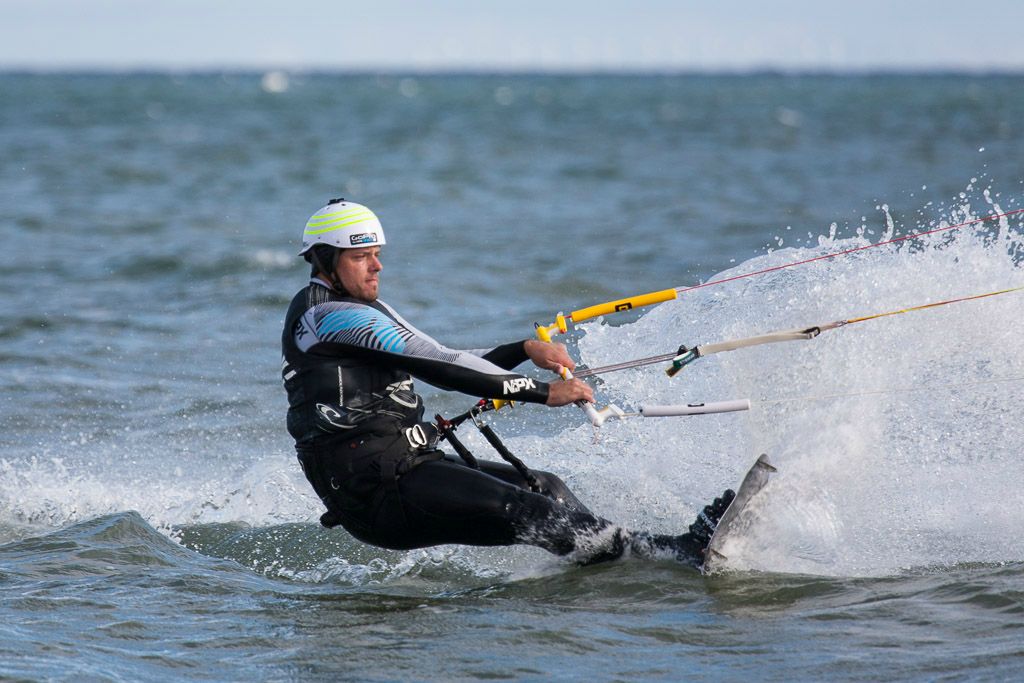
[
  {"x": 545, "y": 332},
  {"x": 623, "y": 305}
]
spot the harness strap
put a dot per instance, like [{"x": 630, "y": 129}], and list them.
[
  {"x": 446, "y": 430},
  {"x": 505, "y": 453}
]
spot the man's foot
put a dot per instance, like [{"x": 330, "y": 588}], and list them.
[
  {"x": 707, "y": 521},
  {"x": 691, "y": 546},
  {"x": 688, "y": 548}
]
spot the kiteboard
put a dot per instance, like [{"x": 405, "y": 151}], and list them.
[{"x": 755, "y": 480}]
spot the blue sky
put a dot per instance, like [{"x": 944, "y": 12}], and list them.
[{"x": 521, "y": 35}]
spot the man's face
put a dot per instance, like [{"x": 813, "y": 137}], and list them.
[{"x": 358, "y": 272}]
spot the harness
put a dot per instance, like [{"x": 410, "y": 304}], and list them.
[
  {"x": 405, "y": 448},
  {"x": 446, "y": 430}
]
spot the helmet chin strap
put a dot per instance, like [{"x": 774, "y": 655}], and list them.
[{"x": 331, "y": 273}]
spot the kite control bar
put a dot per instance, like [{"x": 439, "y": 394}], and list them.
[
  {"x": 598, "y": 416},
  {"x": 561, "y": 326}
]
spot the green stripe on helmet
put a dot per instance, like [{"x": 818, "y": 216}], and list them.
[
  {"x": 337, "y": 225},
  {"x": 321, "y": 218}
]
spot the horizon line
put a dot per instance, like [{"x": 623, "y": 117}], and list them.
[{"x": 259, "y": 70}]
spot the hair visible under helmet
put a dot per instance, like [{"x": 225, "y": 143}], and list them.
[{"x": 339, "y": 225}]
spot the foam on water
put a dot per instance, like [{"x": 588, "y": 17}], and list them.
[{"x": 43, "y": 492}]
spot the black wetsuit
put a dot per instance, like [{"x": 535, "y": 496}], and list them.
[{"x": 362, "y": 442}]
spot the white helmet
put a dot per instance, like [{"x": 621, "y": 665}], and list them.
[{"x": 343, "y": 225}]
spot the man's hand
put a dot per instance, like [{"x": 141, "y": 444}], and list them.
[
  {"x": 548, "y": 355},
  {"x": 553, "y": 356},
  {"x": 564, "y": 393}
]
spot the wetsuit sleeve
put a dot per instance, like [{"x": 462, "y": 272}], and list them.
[
  {"x": 375, "y": 332},
  {"x": 506, "y": 356}
]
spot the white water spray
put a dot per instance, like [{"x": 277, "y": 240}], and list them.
[{"x": 868, "y": 484}]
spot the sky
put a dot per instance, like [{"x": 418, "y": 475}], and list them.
[{"x": 525, "y": 35}]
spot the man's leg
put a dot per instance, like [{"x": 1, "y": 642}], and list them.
[
  {"x": 444, "y": 502},
  {"x": 550, "y": 484}
]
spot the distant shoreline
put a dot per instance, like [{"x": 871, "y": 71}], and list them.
[{"x": 257, "y": 72}]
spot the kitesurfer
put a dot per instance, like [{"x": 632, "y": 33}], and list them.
[{"x": 348, "y": 368}]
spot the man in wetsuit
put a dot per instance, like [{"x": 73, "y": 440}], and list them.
[{"x": 349, "y": 360}]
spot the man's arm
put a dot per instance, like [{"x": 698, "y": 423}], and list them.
[
  {"x": 377, "y": 334},
  {"x": 506, "y": 356},
  {"x": 547, "y": 355}
]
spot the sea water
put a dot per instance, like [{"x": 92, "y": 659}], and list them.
[{"x": 155, "y": 525}]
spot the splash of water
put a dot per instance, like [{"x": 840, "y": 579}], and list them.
[{"x": 897, "y": 440}]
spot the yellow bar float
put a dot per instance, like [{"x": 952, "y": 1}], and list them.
[{"x": 623, "y": 305}]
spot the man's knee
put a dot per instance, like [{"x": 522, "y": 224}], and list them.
[{"x": 553, "y": 487}]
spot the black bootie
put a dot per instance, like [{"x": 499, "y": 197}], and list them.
[{"x": 707, "y": 521}]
